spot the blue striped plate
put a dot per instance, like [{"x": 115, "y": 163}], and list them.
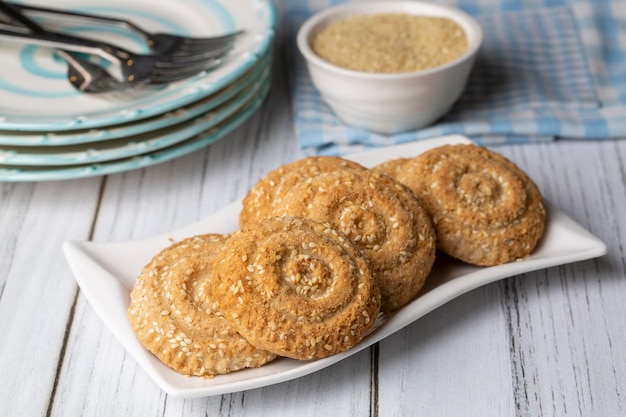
[
  {"x": 10, "y": 139},
  {"x": 36, "y": 96},
  {"x": 200, "y": 140},
  {"x": 135, "y": 144}
]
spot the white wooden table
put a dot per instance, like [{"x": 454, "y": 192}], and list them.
[{"x": 548, "y": 343}]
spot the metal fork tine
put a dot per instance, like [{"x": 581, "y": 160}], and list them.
[
  {"x": 226, "y": 37},
  {"x": 185, "y": 60},
  {"x": 183, "y": 64},
  {"x": 192, "y": 51},
  {"x": 212, "y": 42},
  {"x": 167, "y": 77},
  {"x": 180, "y": 57},
  {"x": 163, "y": 44},
  {"x": 180, "y": 50},
  {"x": 182, "y": 60},
  {"x": 190, "y": 68}
]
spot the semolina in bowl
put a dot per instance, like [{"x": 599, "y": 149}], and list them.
[{"x": 390, "y": 66}]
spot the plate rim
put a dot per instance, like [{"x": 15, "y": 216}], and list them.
[
  {"x": 201, "y": 140},
  {"x": 174, "y": 134},
  {"x": 136, "y": 127}
]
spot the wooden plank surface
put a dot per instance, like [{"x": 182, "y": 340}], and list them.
[{"x": 548, "y": 343}]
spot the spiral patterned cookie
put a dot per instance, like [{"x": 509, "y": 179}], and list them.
[
  {"x": 172, "y": 311},
  {"x": 485, "y": 209},
  {"x": 268, "y": 193},
  {"x": 392, "y": 167},
  {"x": 296, "y": 288},
  {"x": 383, "y": 218}
]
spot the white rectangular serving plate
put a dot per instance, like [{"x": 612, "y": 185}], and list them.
[{"x": 106, "y": 272}]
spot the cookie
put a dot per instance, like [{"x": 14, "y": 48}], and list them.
[
  {"x": 382, "y": 217},
  {"x": 172, "y": 311},
  {"x": 486, "y": 210},
  {"x": 296, "y": 288},
  {"x": 392, "y": 167},
  {"x": 269, "y": 191}
]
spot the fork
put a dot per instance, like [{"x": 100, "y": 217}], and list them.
[
  {"x": 133, "y": 67},
  {"x": 82, "y": 74},
  {"x": 159, "y": 43},
  {"x": 90, "y": 78}
]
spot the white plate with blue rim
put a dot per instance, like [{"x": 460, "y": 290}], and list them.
[
  {"x": 9, "y": 173},
  {"x": 106, "y": 272},
  {"x": 91, "y": 153},
  {"x": 36, "y": 95},
  {"x": 10, "y": 138}
]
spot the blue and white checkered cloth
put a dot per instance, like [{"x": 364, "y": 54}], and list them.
[{"x": 547, "y": 69}]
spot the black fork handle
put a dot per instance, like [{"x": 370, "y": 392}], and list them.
[
  {"x": 15, "y": 14},
  {"x": 79, "y": 16},
  {"x": 43, "y": 34}
]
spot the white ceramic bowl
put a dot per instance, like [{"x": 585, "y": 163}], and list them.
[{"x": 389, "y": 103}]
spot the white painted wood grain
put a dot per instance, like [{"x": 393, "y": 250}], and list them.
[
  {"x": 38, "y": 291},
  {"x": 567, "y": 317},
  {"x": 548, "y": 343},
  {"x": 455, "y": 360},
  {"x": 340, "y": 390}
]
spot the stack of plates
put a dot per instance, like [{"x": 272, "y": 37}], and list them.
[{"x": 49, "y": 131}]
